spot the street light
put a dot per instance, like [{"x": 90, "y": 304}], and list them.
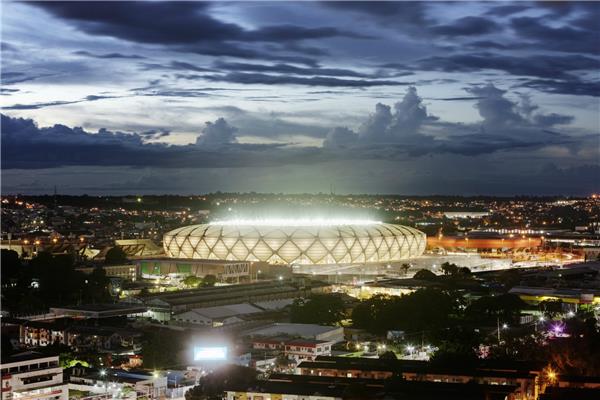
[
  {"x": 410, "y": 349},
  {"x": 103, "y": 374}
]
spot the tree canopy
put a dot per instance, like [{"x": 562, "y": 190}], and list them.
[
  {"x": 115, "y": 256},
  {"x": 325, "y": 309},
  {"x": 422, "y": 310},
  {"x": 212, "y": 386}
]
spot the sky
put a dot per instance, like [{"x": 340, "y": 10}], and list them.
[{"x": 468, "y": 98}]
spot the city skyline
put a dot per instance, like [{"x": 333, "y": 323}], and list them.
[{"x": 395, "y": 97}]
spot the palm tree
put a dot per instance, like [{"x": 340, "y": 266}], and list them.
[{"x": 405, "y": 267}]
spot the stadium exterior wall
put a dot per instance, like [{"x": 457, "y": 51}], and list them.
[{"x": 289, "y": 244}]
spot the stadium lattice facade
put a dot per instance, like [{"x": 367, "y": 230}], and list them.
[{"x": 297, "y": 243}]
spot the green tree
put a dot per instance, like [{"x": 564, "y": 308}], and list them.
[
  {"x": 192, "y": 281},
  {"x": 506, "y": 306},
  {"x": 96, "y": 288},
  {"x": 115, "y": 256},
  {"x": 212, "y": 386},
  {"x": 388, "y": 355},
  {"x": 405, "y": 267},
  {"x": 163, "y": 348},
  {"x": 425, "y": 274},
  {"x": 209, "y": 280},
  {"x": 319, "y": 309},
  {"x": 425, "y": 309},
  {"x": 11, "y": 265},
  {"x": 449, "y": 268}
]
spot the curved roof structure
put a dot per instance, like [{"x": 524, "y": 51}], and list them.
[{"x": 297, "y": 242}]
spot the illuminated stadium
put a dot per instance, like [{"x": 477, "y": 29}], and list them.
[{"x": 296, "y": 242}]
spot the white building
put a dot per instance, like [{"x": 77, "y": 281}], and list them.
[
  {"x": 296, "y": 349},
  {"x": 32, "y": 375},
  {"x": 218, "y": 315},
  {"x": 334, "y": 334}
]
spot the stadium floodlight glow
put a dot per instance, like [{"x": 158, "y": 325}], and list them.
[
  {"x": 293, "y": 222},
  {"x": 217, "y": 353}
]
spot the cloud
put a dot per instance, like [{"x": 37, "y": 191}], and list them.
[
  {"x": 108, "y": 55},
  {"x": 400, "y": 125},
  {"x": 340, "y": 138},
  {"x": 543, "y": 66},
  {"x": 410, "y": 16},
  {"x": 186, "y": 26},
  {"x": 407, "y": 128},
  {"x": 37, "y": 106},
  {"x": 266, "y": 79},
  {"x": 288, "y": 69},
  {"x": 468, "y": 26},
  {"x": 217, "y": 133},
  {"x": 553, "y": 74},
  {"x": 389, "y": 133},
  {"x": 568, "y": 39},
  {"x": 570, "y": 86},
  {"x": 506, "y": 10},
  {"x": 548, "y": 120}
]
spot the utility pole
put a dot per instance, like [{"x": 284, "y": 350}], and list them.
[{"x": 498, "y": 322}]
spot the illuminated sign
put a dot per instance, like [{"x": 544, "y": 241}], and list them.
[{"x": 210, "y": 353}]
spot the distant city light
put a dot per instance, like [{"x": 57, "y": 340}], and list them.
[{"x": 295, "y": 222}]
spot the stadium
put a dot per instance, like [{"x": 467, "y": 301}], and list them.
[{"x": 297, "y": 242}]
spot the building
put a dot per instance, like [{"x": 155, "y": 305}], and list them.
[
  {"x": 218, "y": 315},
  {"x": 222, "y": 269},
  {"x": 128, "y": 272},
  {"x": 116, "y": 382},
  {"x": 465, "y": 214},
  {"x": 79, "y": 337},
  {"x": 297, "y": 349},
  {"x": 297, "y": 242},
  {"x": 523, "y": 378},
  {"x": 162, "y": 306},
  {"x": 298, "y": 387},
  {"x": 573, "y": 296},
  {"x": 96, "y": 311},
  {"x": 333, "y": 334},
  {"x": 32, "y": 375}
]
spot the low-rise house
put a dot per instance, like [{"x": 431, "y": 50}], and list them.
[
  {"x": 32, "y": 375},
  {"x": 218, "y": 315}
]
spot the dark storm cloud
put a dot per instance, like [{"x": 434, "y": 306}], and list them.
[
  {"x": 25, "y": 146},
  {"x": 542, "y": 66},
  {"x": 397, "y": 13},
  {"x": 389, "y": 133},
  {"x": 4, "y": 46},
  {"x": 553, "y": 119},
  {"x": 13, "y": 77},
  {"x": 265, "y": 79},
  {"x": 568, "y": 39},
  {"x": 37, "y": 106},
  {"x": 408, "y": 128},
  {"x": 288, "y": 69},
  {"x": 506, "y": 10},
  {"x": 7, "y": 91},
  {"x": 174, "y": 66},
  {"x": 467, "y": 26},
  {"x": 175, "y": 23},
  {"x": 570, "y": 86},
  {"x": 487, "y": 44},
  {"x": 108, "y": 55},
  {"x": 557, "y": 74}
]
